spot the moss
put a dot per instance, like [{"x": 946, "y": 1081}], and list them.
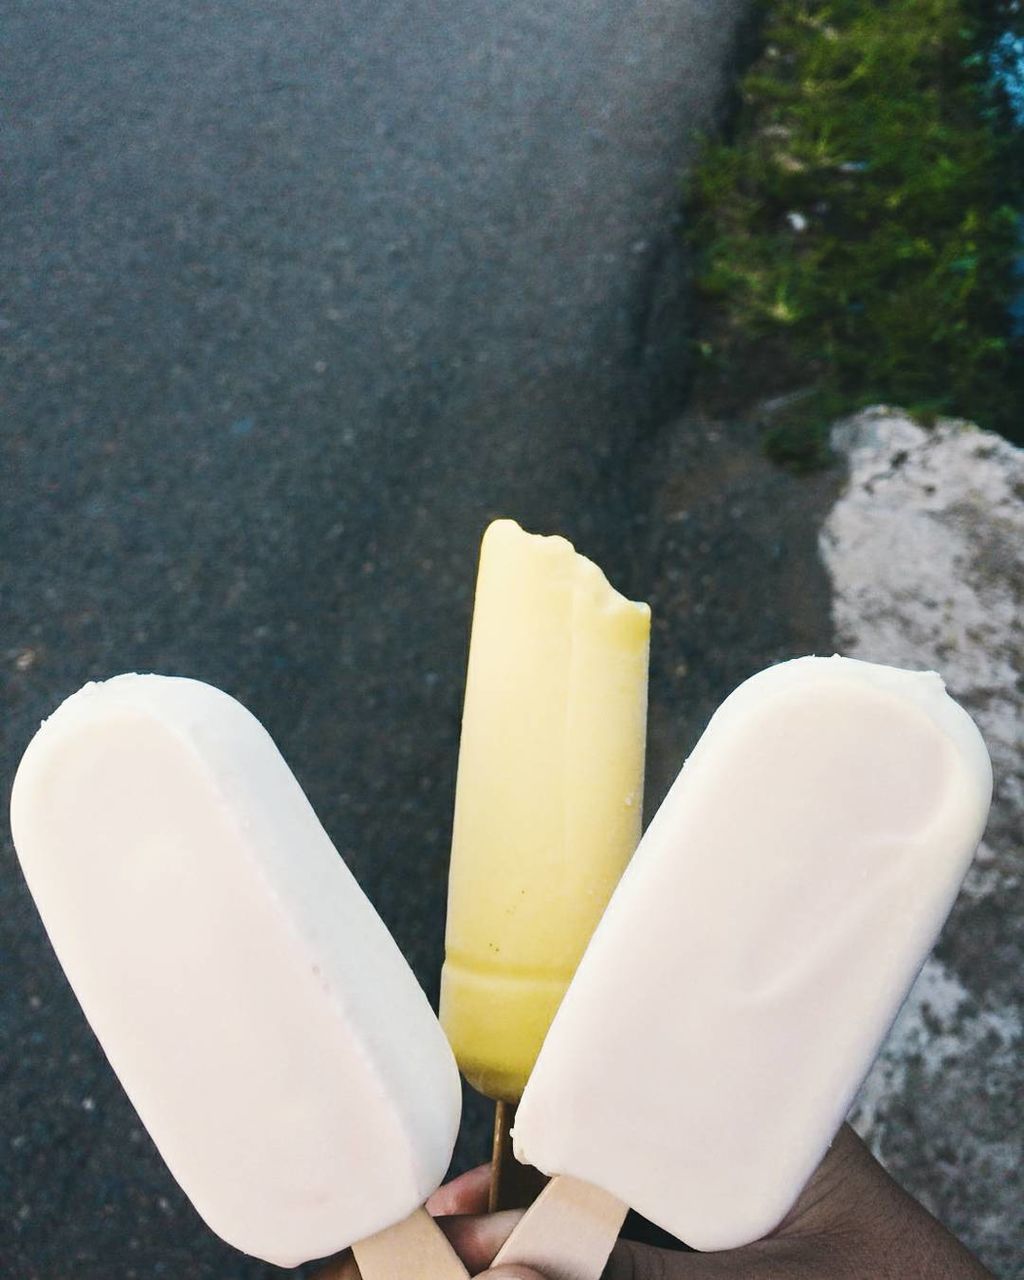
[
  {"x": 796, "y": 435},
  {"x": 857, "y": 233}
]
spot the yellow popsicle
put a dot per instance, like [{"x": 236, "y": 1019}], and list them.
[{"x": 549, "y": 797}]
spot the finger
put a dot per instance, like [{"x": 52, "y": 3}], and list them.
[
  {"x": 477, "y": 1238},
  {"x": 343, "y": 1268},
  {"x": 467, "y": 1193},
  {"x": 514, "y": 1273}
]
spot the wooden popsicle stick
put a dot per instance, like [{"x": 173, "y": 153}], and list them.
[
  {"x": 513, "y": 1185},
  {"x": 416, "y": 1249},
  {"x": 501, "y": 1152},
  {"x": 567, "y": 1233}
]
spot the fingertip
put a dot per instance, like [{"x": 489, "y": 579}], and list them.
[
  {"x": 477, "y": 1239},
  {"x": 468, "y": 1193}
]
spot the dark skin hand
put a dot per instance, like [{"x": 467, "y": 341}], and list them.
[{"x": 852, "y": 1222}]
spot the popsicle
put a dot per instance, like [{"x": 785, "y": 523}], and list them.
[
  {"x": 258, "y": 1013},
  {"x": 549, "y": 794},
  {"x": 751, "y": 960}
]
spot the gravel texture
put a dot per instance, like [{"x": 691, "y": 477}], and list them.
[{"x": 924, "y": 552}]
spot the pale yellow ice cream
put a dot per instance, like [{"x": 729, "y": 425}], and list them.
[{"x": 549, "y": 796}]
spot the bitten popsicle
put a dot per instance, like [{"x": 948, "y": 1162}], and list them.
[
  {"x": 549, "y": 796},
  {"x": 751, "y": 960},
  {"x": 258, "y": 1013}
]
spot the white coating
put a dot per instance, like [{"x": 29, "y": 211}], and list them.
[
  {"x": 759, "y": 947},
  {"x": 258, "y": 1013}
]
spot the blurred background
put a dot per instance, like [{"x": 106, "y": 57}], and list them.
[{"x": 297, "y": 297}]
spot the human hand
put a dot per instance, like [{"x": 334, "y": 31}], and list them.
[{"x": 852, "y": 1222}]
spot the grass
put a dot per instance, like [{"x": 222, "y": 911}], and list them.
[{"x": 856, "y": 236}]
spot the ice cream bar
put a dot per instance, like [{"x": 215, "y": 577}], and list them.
[
  {"x": 549, "y": 795},
  {"x": 258, "y": 1013},
  {"x": 757, "y": 950}
]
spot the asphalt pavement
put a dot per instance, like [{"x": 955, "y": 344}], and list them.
[{"x": 296, "y": 298}]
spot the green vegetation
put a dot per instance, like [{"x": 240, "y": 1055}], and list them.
[{"x": 856, "y": 236}]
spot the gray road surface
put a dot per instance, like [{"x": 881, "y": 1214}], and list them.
[{"x": 296, "y": 297}]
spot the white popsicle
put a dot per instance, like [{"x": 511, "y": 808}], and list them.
[
  {"x": 753, "y": 957},
  {"x": 258, "y": 1013}
]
